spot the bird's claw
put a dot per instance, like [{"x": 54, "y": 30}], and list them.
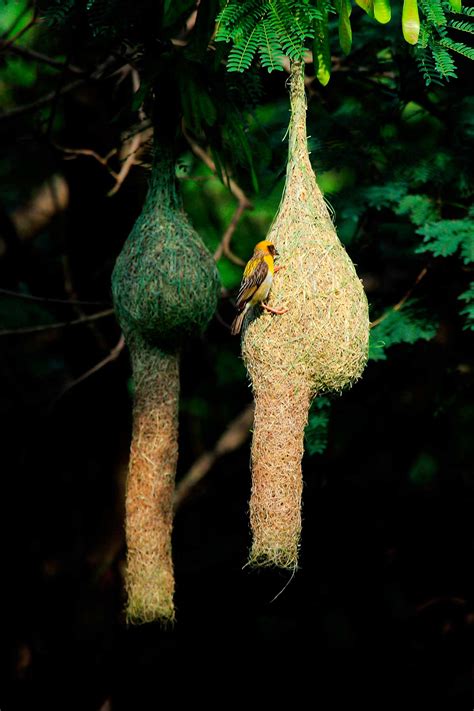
[{"x": 278, "y": 312}]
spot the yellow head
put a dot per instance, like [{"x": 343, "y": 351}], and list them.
[{"x": 263, "y": 248}]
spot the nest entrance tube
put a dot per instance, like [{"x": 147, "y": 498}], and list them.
[
  {"x": 275, "y": 504},
  {"x": 150, "y": 485},
  {"x": 319, "y": 345}
]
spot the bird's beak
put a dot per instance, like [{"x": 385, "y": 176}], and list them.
[{"x": 277, "y": 253}]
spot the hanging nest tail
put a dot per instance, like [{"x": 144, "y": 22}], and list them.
[{"x": 320, "y": 345}]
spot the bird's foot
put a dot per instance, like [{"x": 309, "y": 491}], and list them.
[
  {"x": 277, "y": 269},
  {"x": 278, "y": 312}
]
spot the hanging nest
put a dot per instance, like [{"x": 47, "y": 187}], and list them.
[
  {"x": 320, "y": 345},
  {"x": 165, "y": 288}
]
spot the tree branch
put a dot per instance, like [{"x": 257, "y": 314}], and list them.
[
  {"x": 234, "y": 436},
  {"x": 113, "y": 355},
  {"x": 50, "y": 300},
  {"x": 61, "y": 324},
  {"x": 398, "y": 306},
  {"x": 243, "y": 202},
  {"x": 36, "y": 56},
  {"x": 127, "y": 153},
  {"x": 53, "y": 95},
  {"x": 42, "y": 101}
]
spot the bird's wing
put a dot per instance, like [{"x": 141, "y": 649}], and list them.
[{"x": 254, "y": 275}]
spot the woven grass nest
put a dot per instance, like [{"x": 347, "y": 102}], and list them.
[
  {"x": 165, "y": 288},
  {"x": 319, "y": 346}
]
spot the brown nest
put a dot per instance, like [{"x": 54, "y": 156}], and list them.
[{"x": 320, "y": 345}]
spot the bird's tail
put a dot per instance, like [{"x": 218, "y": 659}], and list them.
[{"x": 237, "y": 323}]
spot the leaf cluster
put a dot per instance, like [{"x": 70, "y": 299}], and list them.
[{"x": 273, "y": 29}]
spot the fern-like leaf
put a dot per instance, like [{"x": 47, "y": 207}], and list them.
[
  {"x": 241, "y": 55},
  {"x": 445, "y": 237},
  {"x": 316, "y": 432},
  {"x": 406, "y": 325},
  {"x": 270, "y": 51},
  {"x": 468, "y": 310},
  {"x": 458, "y": 47},
  {"x": 434, "y": 12},
  {"x": 462, "y": 26},
  {"x": 58, "y": 13},
  {"x": 443, "y": 61}
]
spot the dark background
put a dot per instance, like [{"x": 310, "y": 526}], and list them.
[{"x": 382, "y": 607}]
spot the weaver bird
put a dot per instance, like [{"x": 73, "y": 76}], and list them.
[{"x": 256, "y": 283}]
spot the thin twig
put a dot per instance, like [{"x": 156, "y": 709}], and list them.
[
  {"x": 398, "y": 306},
  {"x": 103, "y": 160},
  {"x": 113, "y": 355},
  {"x": 130, "y": 148},
  {"x": 53, "y": 95},
  {"x": 234, "y": 436},
  {"x": 36, "y": 56},
  {"x": 439, "y": 600},
  {"x": 42, "y": 101},
  {"x": 60, "y": 324},
  {"x": 243, "y": 202},
  {"x": 224, "y": 244},
  {"x": 50, "y": 300}
]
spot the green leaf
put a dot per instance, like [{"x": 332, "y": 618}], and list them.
[
  {"x": 445, "y": 237},
  {"x": 382, "y": 11},
  {"x": 388, "y": 195},
  {"x": 367, "y": 6},
  {"x": 462, "y": 26},
  {"x": 270, "y": 52},
  {"x": 468, "y": 310},
  {"x": 316, "y": 432},
  {"x": 410, "y": 21},
  {"x": 419, "y": 208},
  {"x": 424, "y": 469},
  {"x": 241, "y": 55},
  {"x": 344, "y": 9},
  {"x": 321, "y": 47},
  {"x": 456, "y": 5},
  {"x": 458, "y": 47},
  {"x": 407, "y": 325}
]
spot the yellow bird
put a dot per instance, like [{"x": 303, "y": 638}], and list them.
[{"x": 256, "y": 283}]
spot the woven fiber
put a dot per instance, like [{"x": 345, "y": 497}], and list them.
[
  {"x": 320, "y": 345},
  {"x": 165, "y": 288}
]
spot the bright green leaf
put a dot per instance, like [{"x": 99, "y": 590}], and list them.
[
  {"x": 344, "y": 9},
  {"x": 456, "y": 5},
  {"x": 410, "y": 21},
  {"x": 321, "y": 47},
  {"x": 382, "y": 11},
  {"x": 367, "y": 5}
]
